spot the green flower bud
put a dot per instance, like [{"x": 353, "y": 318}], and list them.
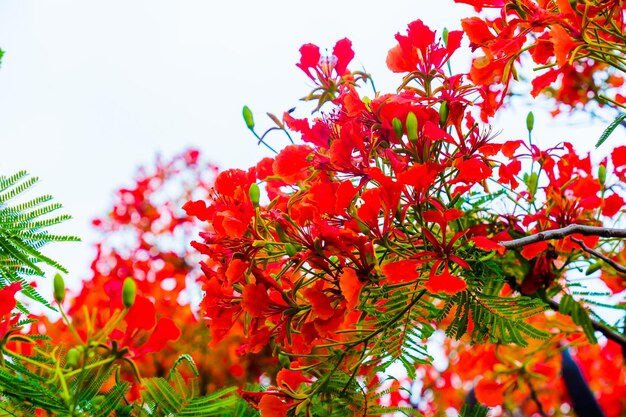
[
  {"x": 255, "y": 194},
  {"x": 59, "y": 288},
  {"x": 72, "y": 358},
  {"x": 291, "y": 249},
  {"x": 444, "y": 110},
  {"x": 247, "y": 117},
  {"x": 530, "y": 121},
  {"x": 397, "y": 127},
  {"x": 445, "y": 36},
  {"x": 129, "y": 292},
  {"x": 411, "y": 126},
  {"x": 602, "y": 174}
]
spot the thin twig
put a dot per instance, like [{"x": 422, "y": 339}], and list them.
[
  {"x": 615, "y": 265},
  {"x": 563, "y": 232},
  {"x": 598, "y": 326},
  {"x": 608, "y": 332},
  {"x": 533, "y": 395}
]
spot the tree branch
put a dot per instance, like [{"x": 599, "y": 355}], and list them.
[
  {"x": 563, "y": 232},
  {"x": 615, "y": 265}
]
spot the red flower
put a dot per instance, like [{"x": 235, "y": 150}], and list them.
[
  {"x": 7, "y": 298},
  {"x": 324, "y": 66},
  {"x": 418, "y": 51},
  {"x": 7, "y": 304},
  {"x": 445, "y": 283},
  {"x": 142, "y": 317},
  {"x": 292, "y": 164}
]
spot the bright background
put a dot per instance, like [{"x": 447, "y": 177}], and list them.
[{"x": 90, "y": 90}]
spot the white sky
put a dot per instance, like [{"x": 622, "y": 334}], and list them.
[{"x": 89, "y": 90}]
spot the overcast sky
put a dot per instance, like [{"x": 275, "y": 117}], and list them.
[{"x": 89, "y": 90}]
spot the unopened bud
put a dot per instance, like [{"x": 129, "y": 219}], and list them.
[
  {"x": 129, "y": 292},
  {"x": 530, "y": 121},
  {"x": 291, "y": 249},
  {"x": 255, "y": 194},
  {"x": 247, "y": 117},
  {"x": 602, "y": 174},
  {"x": 397, "y": 127},
  {"x": 59, "y": 288},
  {"x": 72, "y": 358},
  {"x": 444, "y": 110},
  {"x": 411, "y": 126}
]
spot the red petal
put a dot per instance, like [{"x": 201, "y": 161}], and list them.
[
  {"x": 235, "y": 271},
  {"x": 255, "y": 300},
  {"x": 273, "y": 406},
  {"x": 350, "y": 287},
  {"x": 319, "y": 302},
  {"x": 402, "y": 271},
  {"x": 165, "y": 331},
  {"x": 396, "y": 62},
  {"x": 142, "y": 315},
  {"x": 370, "y": 209},
  {"x": 544, "y": 80},
  {"x": 419, "y": 176},
  {"x": 290, "y": 379},
  {"x": 344, "y": 54},
  {"x": 477, "y": 31},
  {"x": 618, "y": 156},
  {"x": 446, "y": 283},
  {"x": 489, "y": 392},
  {"x": 487, "y": 244},
  {"x": 563, "y": 44},
  {"x": 7, "y": 298},
  {"x": 291, "y": 163},
  {"x": 309, "y": 58},
  {"x": 509, "y": 148},
  {"x": 532, "y": 250},
  {"x": 197, "y": 209},
  {"x": 612, "y": 205},
  {"x": 472, "y": 170}
]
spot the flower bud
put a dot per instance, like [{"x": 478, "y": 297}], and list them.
[
  {"x": 247, "y": 117},
  {"x": 255, "y": 194},
  {"x": 397, "y": 127},
  {"x": 530, "y": 121},
  {"x": 59, "y": 288},
  {"x": 602, "y": 174},
  {"x": 129, "y": 292},
  {"x": 411, "y": 126},
  {"x": 72, "y": 358},
  {"x": 444, "y": 110},
  {"x": 291, "y": 249}
]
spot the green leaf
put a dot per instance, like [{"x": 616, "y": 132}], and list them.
[{"x": 609, "y": 130}]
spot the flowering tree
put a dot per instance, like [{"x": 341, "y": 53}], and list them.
[
  {"x": 393, "y": 217},
  {"x": 402, "y": 214}
]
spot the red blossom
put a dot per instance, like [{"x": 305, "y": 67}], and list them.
[
  {"x": 418, "y": 51},
  {"x": 325, "y": 66}
]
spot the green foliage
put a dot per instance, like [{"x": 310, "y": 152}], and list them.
[
  {"x": 339, "y": 394},
  {"x": 24, "y": 231},
  {"x": 497, "y": 319},
  {"x": 476, "y": 410},
  {"x": 579, "y": 315},
  {"x": 41, "y": 381},
  {"x": 402, "y": 332},
  {"x": 610, "y": 128}
]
